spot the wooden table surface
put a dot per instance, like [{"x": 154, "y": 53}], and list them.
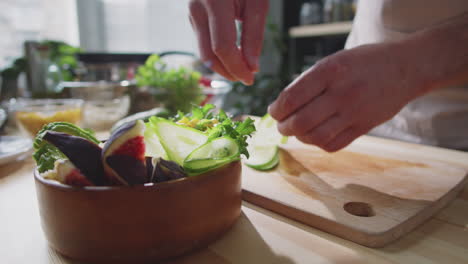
[{"x": 258, "y": 237}]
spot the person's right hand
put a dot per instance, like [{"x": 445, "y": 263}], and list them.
[
  {"x": 346, "y": 94},
  {"x": 214, "y": 23}
]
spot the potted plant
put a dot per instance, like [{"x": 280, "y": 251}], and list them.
[{"x": 175, "y": 89}]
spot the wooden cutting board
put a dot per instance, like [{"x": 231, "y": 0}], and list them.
[{"x": 372, "y": 192}]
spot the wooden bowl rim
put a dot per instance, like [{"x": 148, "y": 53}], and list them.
[{"x": 146, "y": 186}]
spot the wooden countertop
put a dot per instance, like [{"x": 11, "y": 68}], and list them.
[{"x": 258, "y": 237}]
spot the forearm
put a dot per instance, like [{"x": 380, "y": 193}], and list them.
[{"x": 436, "y": 57}]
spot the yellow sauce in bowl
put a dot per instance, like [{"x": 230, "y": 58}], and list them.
[{"x": 32, "y": 122}]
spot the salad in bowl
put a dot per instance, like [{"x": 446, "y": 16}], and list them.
[
  {"x": 140, "y": 152},
  {"x": 154, "y": 190}
]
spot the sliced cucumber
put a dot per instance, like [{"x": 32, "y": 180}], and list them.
[
  {"x": 178, "y": 141},
  {"x": 267, "y": 132},
  {"x": 211, "y": 155},
  {"x": 153, "y": 147},
  {"x": 263, "y": 157},
  {"x": 263, "y": 145}
]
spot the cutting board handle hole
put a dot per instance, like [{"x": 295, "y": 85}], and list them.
[{"x": 359, "y": 209}]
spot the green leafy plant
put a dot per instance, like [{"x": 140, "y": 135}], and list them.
[
  {"x": 63, "y": 55},
  {"x": 12, "y": 73},
  {"x": 59, "y": 52},
  {"x": 178, "y": 88}
]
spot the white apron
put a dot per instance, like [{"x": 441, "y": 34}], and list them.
[{"x": 439, "y": 118}]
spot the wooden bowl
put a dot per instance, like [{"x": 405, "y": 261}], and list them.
[{"x": 139, "y": 224}]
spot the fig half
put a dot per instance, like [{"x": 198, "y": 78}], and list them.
[
  {"x": 149, "y": 167},
  {"x": 65, "y": 172},
  {"x": 123, "y": 155},
  {"x": 165, "y": 170},
  {"x": 83, "y": 154}
]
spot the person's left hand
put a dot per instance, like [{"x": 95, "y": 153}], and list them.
[{"x": 344, "y": 96}]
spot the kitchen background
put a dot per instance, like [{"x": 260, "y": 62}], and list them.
[{"x": 92, "y": 50}]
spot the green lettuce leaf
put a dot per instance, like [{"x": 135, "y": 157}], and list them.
[{"x": 46, "y": 156}]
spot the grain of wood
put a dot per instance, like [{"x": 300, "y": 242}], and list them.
[
  {"x": 371, "y": 193},
  {"x": 455, "y": 214}
]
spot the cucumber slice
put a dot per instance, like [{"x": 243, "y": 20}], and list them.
[
  {"x": 153, "y": 147},
  {"x": 263, "y": 145},
  {"x": 211, "y": 155},
  {"x": 178, "y": 141},
  {"x": 263, "y": 157}
]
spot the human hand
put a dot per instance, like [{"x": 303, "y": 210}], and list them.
[
  {"x": 214, "y": 24},
  {"x": 344, "y": 96}
]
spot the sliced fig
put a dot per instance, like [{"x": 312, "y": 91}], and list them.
[
  {"x": 165, "y": 170},
  {"x": 131, "y": 170},
  {"x": 83, "y": 154},
  {"x": 123, "y": 155},
  {"x": 149, "y": 167},
  {"x": 65, "y": 172}
]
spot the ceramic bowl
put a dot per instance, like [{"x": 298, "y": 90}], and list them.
[
  {"x": 104, "y": 102},
  {"x": 139, "y": 224}
]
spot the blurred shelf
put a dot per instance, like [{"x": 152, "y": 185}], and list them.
[{"x": 321, "y": 29}]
